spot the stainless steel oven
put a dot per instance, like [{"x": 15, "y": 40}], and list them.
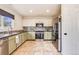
[{"x": 39, "y": 35}]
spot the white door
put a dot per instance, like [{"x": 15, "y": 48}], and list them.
[{"x": 70, "y": 29}]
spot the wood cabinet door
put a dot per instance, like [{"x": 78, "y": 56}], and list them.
[
  {"x": 48, "y": 35},
  {"x": 12, "y": 44},
  {"x": 25, "y": 36},
  {"x": 20, "y": 39},
  {"x": 31, "y": 35}
]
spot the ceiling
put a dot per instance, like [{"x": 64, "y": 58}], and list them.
[{"x": 37, "y": 9}]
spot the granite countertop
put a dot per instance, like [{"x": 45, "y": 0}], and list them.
[
  {"x": 9, "y": 34},
  {"x": 34, "y": 29},
  {"x": 6, "y": 35}
]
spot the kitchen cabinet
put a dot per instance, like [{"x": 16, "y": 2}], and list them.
[
  {"x": 17, "y": 40},
  {"x": 25, "y": 36},
  {"x": 12, "y": 44},
  {"x": 30, "y": 35},
  {"x": 4, "y": 46},
  {"x": 22, "y": 37},
  {"x": 47, "y": 35}
]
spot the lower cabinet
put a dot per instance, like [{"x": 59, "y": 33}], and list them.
[
  {"x": 21, "y": 38},
  {"x": 16, "y": 40},
  {"x": 47, "y": 35},
  {"x": 4, "y": 46},
  {"x": 25, "y": 36},
  {"x": 12, "y": 44},
  {"x": 31, "y": 35}
]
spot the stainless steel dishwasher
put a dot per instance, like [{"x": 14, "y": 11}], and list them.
[{"x": 4, "y": 46}]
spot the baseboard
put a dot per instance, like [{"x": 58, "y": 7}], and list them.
[
  {"x": 30, "y": 40},
  {"x": 49, "y": 40}
]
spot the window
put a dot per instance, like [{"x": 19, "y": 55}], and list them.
[{"x": 7, "y": 21}]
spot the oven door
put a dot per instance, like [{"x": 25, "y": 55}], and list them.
[{"x": 39, "y": 35}]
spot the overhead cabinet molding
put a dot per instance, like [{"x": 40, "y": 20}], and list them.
[{"x": 4, "y": 13}]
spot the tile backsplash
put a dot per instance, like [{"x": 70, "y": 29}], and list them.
[{"x": 31, "y": 28}]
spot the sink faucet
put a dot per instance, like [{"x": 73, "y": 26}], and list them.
[{"x": 10, "y": 29}]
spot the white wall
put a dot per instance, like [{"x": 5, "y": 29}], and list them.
[
  {"x": 70, "y": 25},
  {"x": 31, "y": 21},
  {"x": 18, "y": 18}
]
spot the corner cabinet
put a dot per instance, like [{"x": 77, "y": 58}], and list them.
[
  {"x": 47, "y": 35},
  {"x": 31, "y": 35},
  {"x": 12, "y": 44}
]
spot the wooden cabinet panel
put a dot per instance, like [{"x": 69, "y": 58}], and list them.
[
  {"x": 19, "y": 39},
  {"x": 47, "y": 35},
  {"x": 25, "y": 36},
  {"x": 12, "y": 44},
  {"x": 22, "y": 39},
  {"x": 30, "y": 35}
]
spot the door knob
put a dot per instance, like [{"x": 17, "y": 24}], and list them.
[{"x": 65, "y": 33}]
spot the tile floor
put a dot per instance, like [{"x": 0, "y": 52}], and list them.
[{"x": 38, "y": 47}]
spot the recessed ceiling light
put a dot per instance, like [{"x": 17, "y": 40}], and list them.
[
  {"x": 30, "y": 11},
  {"x": 47, "y": 11}
]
